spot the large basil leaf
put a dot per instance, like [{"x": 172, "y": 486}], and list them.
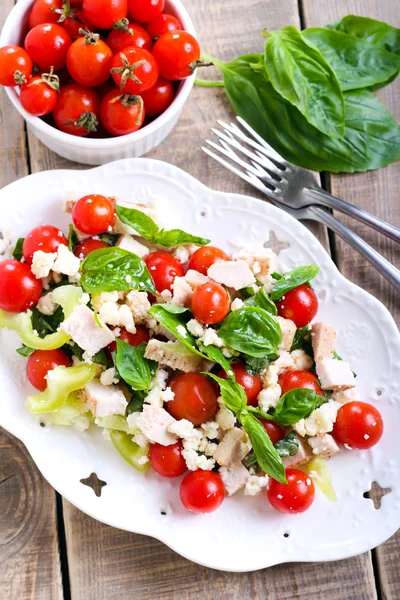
[
  {"x": 132, "y": 366},
  {"x": 299, "y": 73},
  {"x": 262, "y": 300},
  {"x": 356, "y": 62},
  {"x": 17, "y": 252},
  {"x": 232, "y": 393},
  {"x": 251, "y": 330},
  {"x": 148, "y": 229},
  {"x": 255, "y": 365},
  {"x": 378, "y": 33},
  {"x": 288, "y": 446},
  {"x": 292, "y": 279},
  {"x": 266, "y": 455},
  {"x": 115, "y": 269},
  {"x": 371, "y": 139},
  {"x": 295, "y": 405}
]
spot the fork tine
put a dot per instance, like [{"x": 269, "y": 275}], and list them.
[
  {"x": 254, "y": 168},
  {"x": 263, "y": 143}
]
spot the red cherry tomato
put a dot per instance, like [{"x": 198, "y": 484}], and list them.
[
  {"x": 15, "y": 66},
  {"x": 163, "y": 24},
  {"x": 131, "y": 65},
  {"x": 47, "y": 45},
  {"x": 76, "y": 23},
  {"x": 300, "y": 305},
  {"x": 195, "y": 398},
  {"x": 41, "y": 362},
  {"x": 159, "y": 97},
  {"x": 87, "y": 246},
  {"x": 104, "y": 13},
  {"x": 93, "y": 214},
  {"x": 43, "y": 12},
  {"x": 38, "y": 97},
  {"x": 46, "y": 238},
  {"x": 77, "y": 110},
  {"x": 294, "y": 497},
  {"x": 167, "y": 461},
  {"x": 121, "y": 114},
  {"x": 89, "y": 60},
  {"x": 210, "y": 303},
  {"x": 275, "y": 432},
  {"x": 252, "y": 384},
  {"x": 134, "y": 339},
  {"x": 299, "y": 379},
  {"x": 358, "y": 425},
  {"x": 19, "y": 288},
  {"x": 125, "y": 35},
  {"x": 163, "y": 268},
  {"x": 145, "y": 10},
  {"x": 206, "y": 256},
  {"x": 176, "y": 53},
  {"x": 202, "y": 491}
]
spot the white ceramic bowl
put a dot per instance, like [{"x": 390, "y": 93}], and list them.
[
  {"x": 98, "y": 151},
  {"x": 244, "y": 533}
]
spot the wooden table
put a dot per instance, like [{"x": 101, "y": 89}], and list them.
[{"x": 49, "y": 549}]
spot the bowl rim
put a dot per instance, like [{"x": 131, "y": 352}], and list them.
[{"x": 99, "y": 143}]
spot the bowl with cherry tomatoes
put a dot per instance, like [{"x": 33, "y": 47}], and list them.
[{"x": 97, "y": 81}]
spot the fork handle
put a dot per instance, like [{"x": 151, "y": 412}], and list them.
[
  {"x": 326, "y": 199},
  {"x": 380, "y": 263}
]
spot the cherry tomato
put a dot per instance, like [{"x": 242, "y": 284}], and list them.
[
  {"x": 41, "y": 362},
  {"x": 77, "y": 110},
  {"x": 163, "y": 24},
  {"x": 47, "y": 45},
  {"x": 159, "y": 97},
  {"x": 275, "y": 432},
  {"x": 134, "y": 339},
  {"x": 145, "y": 10},
  {"x": 252, "y": 384},
  {"x": 15, "y": 66},
  {"x": 299, "y": 379},
  {"x": 202, "y": 491},
  {"x": 300, "y": 305},
  {"x": 19, "y": 288},
  {"x": 89, "y": 60},
  {"x": 210, "y": 303},
  {"x": 43, "y": 12},
  {"x": 76, "y": 22},
  {"x": 87, "y": 246},
  {"x": 358, "y": 425},
  {"x": 39, "y": 95},
  {"x": 104, "y": 13},
  {"x": 206, "y": 256},
  {"x": 195, "y": 398},
  {"x": 93, "y": 214},
  {"x": 128, "y": 34},
  {"x": 46, "y": 238},
  {"x": 294, "y": 497},
  {"x": 167, "y": 461},
  {"x": 176, "y": 53},
  {"x": 163, "y": 268},
  {"x": 121, "y": 114},
  {"x": 134, "y": 70}
]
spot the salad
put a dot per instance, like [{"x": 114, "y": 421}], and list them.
[{"x": 192, "y": 362}]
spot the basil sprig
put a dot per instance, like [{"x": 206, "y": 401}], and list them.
[
  {"x": 251, "y": 330},
  {"x": 292, "y": 279},
  {"x": 148, "y": 229},
  {"x": 262, "y": 300},
  {"x": 232, "y": 393},
  {"x": 133, "y": 367},
  {"x": 115, "y": 269},
  {"x": 289, "y": 445},
  {"x": 17, "y": 252},
  {"x": 378, "y": 33},
  {"x": 296, "y": 404}
]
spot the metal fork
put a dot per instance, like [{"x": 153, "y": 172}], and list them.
[{"x": 296, "y": 190}]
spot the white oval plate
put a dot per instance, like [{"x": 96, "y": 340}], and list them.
[{"x": 245, "y": 534}]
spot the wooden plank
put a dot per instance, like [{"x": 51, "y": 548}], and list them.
[{"x": 377, "y": 192}]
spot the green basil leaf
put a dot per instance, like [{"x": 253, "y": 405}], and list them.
[
  {"x": 357, "y": 62},
  {"x": 288, "y": 446},
  {"x": 25, "y": 351},
  {"x": 276, "y": 276},
  {"x": 215, "y": 355},
  {"x": 247, "y": 292},
  {"x": 73, "y": 240},
  {"x": 17, "y": 252},
  {"x": 251, "y": 330},
  {"x": 292, "y": 279},
  {"x": 45, "y": 324},
  {"x": 262, "y": 300},
  {"x": 109, "y": 238},
  {"x": 136, "y": 404},
  {"x": 148, "y": 229},
  {"x": 295, "y": 405},
  {"x": 378, "y": 33},
  {"x": 256, "y": 365},
  {"x": 302, "y": 341},
  {"x": 115, "y": 269},
  {"x": 267, "y": 456},
  {"x": 132, "y": 366},
  {"x": 300, "y": 74},
  {"x": 100, "y": 358},
  {"x": 251, "y": 461},
  {"x": 232, "y": 393}
]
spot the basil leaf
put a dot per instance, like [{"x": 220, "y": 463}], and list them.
[
  {"x": 72, "y": 238},
  {"x": 357, "y": 63},
  {"x": 288, "y": 446},
  {"x": 256, "y": 365},
  {"x": 115, "y": 269},
  {"x": 25, "y": 351},
  {"x": 215, "y": 355},
  {"x": 247, "y": 292},
  {"x": 45, "y": 324},
  {"x": 276, "y": 276},
  {"x": 302, "y": 341},
  {"x": 251, "y": 461},
  {"x": 262, "y": 300},
  {"x": 148, "y": 229},
  {"x": 300, "y": 74},
  {"x": 132, "y": 366},
  {"x": 295, "y": 405},
  {"x": 17, "y": 252},
  {"x": 251, "y": 330},
  {"x": 232, "y": 393},
  {"x": 267, "y": 456},
  {"x": 109, "y": 238},
  {"x": 292, "y": 279},
  {"x": 136, "y": 404},
  {"x": 72, "y": 349},
  {"x": 378, "y": 33}
]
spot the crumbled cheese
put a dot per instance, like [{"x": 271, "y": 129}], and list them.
[
  {"x": 66, "y": 262},
  {"x": 269, "y": 397},
  {"x": 167, "y": 395},
  {"x": 302, "y": 361},
  {"x": 320, "y": 421},
  {"x": 236, "y": 304},
  {"x": 255, "y": 484},
  {"x": 108, "y": 377},
  {"x": 165, "y": 295},
  {"x": 182, "y": 428},
  {"x": 181, "y": 330},
  {"x": 143, "y": 460},
  {"x": 195, "y": 328},
  {"x": 210, "y": 429},
  {"x": 139, "y": 304},
  {"x": 126, "y": 318},
  {"x": 195, "y": 461},
  {"x": 349, "y": 395},
  {"x": 285, "y": 362},
  {"x": 270, "y": 375},
  {"x": 81, "y": 423},
  {"x": 225, "y": 419},
  {"x": 211, "y": 338},
  {"x": 46, "y": 304},
  {"x": 208, "y": 448},
  {"x": 324, "y": 445},
  {"x": 182, "y": 254},
  {"x": 42, "y": 263}
]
